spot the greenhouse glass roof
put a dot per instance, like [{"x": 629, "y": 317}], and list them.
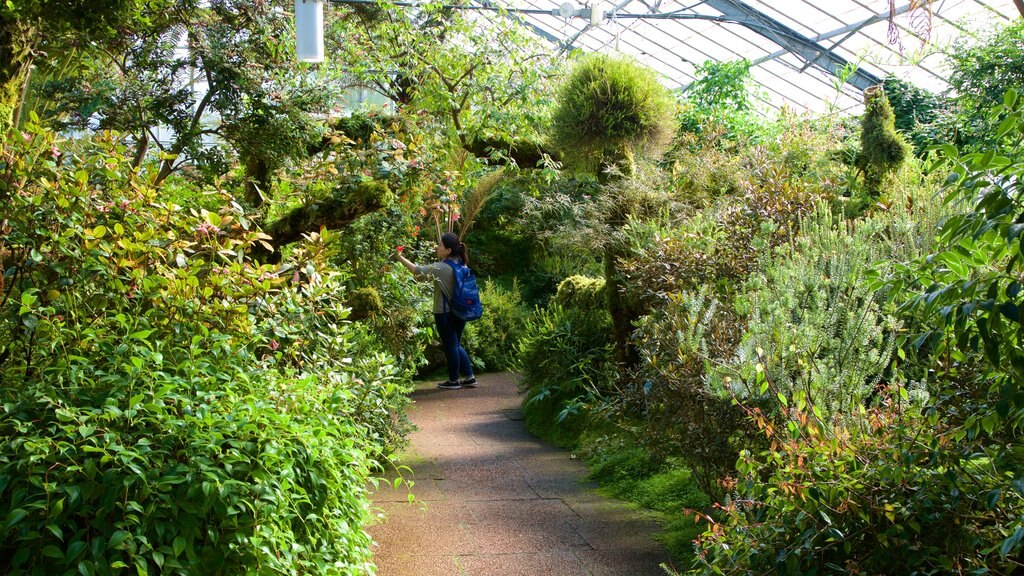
[{"x": 796, "y": 46}]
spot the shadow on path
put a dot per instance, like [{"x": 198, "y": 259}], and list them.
[{"x": 492, "y": 500}]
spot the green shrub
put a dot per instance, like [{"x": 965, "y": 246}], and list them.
[
  {"x": 582, "y": 292},
  {"x": 814, "y": 324},
  {"x": 719, "y": 107},
  {"x": 564, "y": 359},
  {"x": 669, "y": 406},
  {"x": 888, "y": 495},
  {"x": 170, "y": 406},
  {"x": 897, "y": 487},
  {"x": 882, "y": 148},
  {"x": 610, "y": 109},
  {"x": 494, "y": 339}
]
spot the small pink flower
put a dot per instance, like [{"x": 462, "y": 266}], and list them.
[
  {"x": 274, "y": 345},
  {"x": 26, "y": 136},
  {"x": 54, "y": 150},
  {"x": 206, "y": 229}
]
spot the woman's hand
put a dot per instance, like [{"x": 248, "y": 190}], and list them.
[{"x": 405, "y": 261}]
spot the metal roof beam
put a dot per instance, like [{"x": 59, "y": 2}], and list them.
[
  {"x": 791, "y": 40},
  {"x": 849, "y": 29}
]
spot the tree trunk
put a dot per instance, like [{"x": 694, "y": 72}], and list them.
[
  {"x": 1020, "y": 7},
  {"x": 166, "y": 167},
  {"x": 141, "y": 147},
  {"x": 16, "y": 120},
  {"x": 18, "y": 41},
  {"x": 257, "y": 181}
]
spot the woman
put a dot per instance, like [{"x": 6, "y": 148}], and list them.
[{"x": 449, "y": 326}]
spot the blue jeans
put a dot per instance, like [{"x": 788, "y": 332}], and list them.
[{"x": 450, "y": 328}]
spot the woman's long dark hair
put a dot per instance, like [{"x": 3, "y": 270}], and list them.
[{"x": 459, "y": 250}]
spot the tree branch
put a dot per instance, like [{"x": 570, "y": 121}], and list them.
[{"x": 332, "y": 213}]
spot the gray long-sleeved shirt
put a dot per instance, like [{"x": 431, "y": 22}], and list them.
[{"x": 444, "y": 282}]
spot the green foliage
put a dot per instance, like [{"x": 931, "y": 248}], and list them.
[
  {"x": 268, "y": 109},
  {"x": 564, "y": 360},
  {"x": 971, "y": 283},
  {"x": 897, "y": 485},
  {"x": 610, "y": 110},
  {"x": 494, "y": 338},
  {"x": 28, "y": 25},
  {"x": 171, "y": 407},
  {"x": 914, "y": 111},
  {"x": 669, "y": 407},
  {"x": 537, "y": 228},
  {"x": 477, "y": 76},
  {"x": 665, "y": 490},
  {"x": 582, "y": 292},
  {"x": 718, "y": 106},
  {"x": 700, "y": 177},
  {"x": 815, "y": 329},
  {"x": 882, "y": 149},
  {"x": 886, "y": 496},
  {"x": 984, "y": 68}
]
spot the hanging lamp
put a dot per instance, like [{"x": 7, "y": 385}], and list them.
[{"x": 309, "y": 30}]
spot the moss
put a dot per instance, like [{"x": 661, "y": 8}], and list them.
[
  {"x": 364, "y": 302},
  {"x": 582, "y": 292},
  {"x": 883, "y": 149},
  {"x": 668, "y": 490}
]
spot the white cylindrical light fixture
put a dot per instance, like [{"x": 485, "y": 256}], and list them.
[
  {"x": 309, "y": 30},
  {"x": 596, "y": 12}
]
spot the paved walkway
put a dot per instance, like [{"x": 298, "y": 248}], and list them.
[{"x": 492, "y": 500}]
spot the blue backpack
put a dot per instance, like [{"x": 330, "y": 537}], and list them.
[{"x": 465, "y": 300}]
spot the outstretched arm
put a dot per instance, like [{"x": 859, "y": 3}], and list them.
[{"x": 405, "y": 262}]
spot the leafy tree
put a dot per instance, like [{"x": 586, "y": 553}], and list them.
[
  {"x": 236, "y": 83},
  {"x": 482, "y": 77},
  {"x": 718, "y": 106},
  {"x": 29, "y": 27},
  {"x": 982, "y": 68}
]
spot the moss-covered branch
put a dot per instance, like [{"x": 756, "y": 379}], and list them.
[
  {"x": 332, "y": 213},
  {"x": 524, "y": 153}
]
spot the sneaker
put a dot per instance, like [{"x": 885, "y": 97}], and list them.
[
  {"x": 449, "y": 385},
  {"x": 468, "y": 382}
]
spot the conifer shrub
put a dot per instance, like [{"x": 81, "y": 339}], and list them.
[
  {"x": 168, "y": 405},
  {"x": 882, "y": 148}
]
